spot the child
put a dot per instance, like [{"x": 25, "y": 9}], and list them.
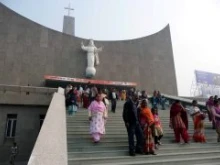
[
  {"x": 71, "y": 102},
  {"x": 158, "y": 128}
]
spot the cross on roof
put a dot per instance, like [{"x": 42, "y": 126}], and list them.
[{"x": 69, "y": 9}]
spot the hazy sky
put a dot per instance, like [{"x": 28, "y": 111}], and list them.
[{"x": 195, "y": 26}]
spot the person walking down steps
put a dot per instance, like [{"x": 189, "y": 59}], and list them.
[
  {"x": 113, "y": 97},
  {"x": 148, "y": 126},
  {"x": 97, "y": 116},
  {"x": 198, "y": 120},
  {"x": 158, "y": 128},
  {"x": 71, "y": 101},
  {"x": 179, "y": 122}
]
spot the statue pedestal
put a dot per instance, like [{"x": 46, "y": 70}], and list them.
[{"x": 90, "y": 72}]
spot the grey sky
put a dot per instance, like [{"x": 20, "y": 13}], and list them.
[{"x": 194, "y": 26}]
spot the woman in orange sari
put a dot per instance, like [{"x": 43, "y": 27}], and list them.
[
  {"x": 147, "y": 123},
  {"x": 198, "y": 120}
]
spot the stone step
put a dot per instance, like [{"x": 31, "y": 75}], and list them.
[
  {"x": 124, "y": 135},
  {"x": 113, "y": 148},
  {"x": 211, "y": 160},
  {"x": 113, "y": 127},
  {"x": 108, "y": 120},
  {"x": 89, "y": 144},
  {"x": 124, "y": 131},
  {"x": 125, "y": 141},
  {"x": 124, "y": 152},
  {"x": 161, "y": 157},
  {"x": 121, "y": 150},
  {"x": 121, "y": 124},
  {"x": 73, "y": 120},
  {"x": 111, "y": 116},
  {"x": 116, "y": 129}
]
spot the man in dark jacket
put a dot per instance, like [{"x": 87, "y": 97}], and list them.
[{"x": 132, "y": 124}]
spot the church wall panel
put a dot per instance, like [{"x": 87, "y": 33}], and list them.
[{"x": 147, "y": 61}]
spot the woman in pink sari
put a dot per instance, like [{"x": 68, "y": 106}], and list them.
[
  {"x": 216, "y": 117},
  {"x": 97, "y": 116},
  {"x": 209, "y": 105}
]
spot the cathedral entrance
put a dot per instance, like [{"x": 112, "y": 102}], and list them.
[{"x": 58, "y": 81}]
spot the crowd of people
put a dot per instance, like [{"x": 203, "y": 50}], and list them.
[
  {"x": 83, "y": 97},
  {"x": 141, "y": 120},
  {"x": 213, "y": 107}
]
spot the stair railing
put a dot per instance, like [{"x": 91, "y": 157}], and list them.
[{"x": 51, "y": 145}]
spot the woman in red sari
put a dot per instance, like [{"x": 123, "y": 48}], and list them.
[
  {"x": 147, "y": 123},
  {"x": 179, "y": 121}
]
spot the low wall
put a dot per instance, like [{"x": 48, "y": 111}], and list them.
[
  {"x": 51, "y": 145},
  {"x": 25, "y": 95},
  {"x": 200, "y": 99},
  {"x": 185, "y": 102}
]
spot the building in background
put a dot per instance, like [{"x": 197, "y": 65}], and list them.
[
  {"x": 206, "y": 84},
  {"x": 69, "y": 23},
  {"x": 29, "y": 52}
]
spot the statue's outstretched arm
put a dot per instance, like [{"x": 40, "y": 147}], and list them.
[
  {"x": 83, "y": 47},
  {"x": 99, "y": 49}
]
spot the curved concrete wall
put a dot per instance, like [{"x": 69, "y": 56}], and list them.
[
  {"x": 51, "y": 144},
  {"x": 28, "y": 51}
]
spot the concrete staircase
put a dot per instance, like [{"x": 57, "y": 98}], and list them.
[{"x": 113, "y": 149}]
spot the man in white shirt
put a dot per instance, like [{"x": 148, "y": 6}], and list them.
[{"x": 113, "y": 97}]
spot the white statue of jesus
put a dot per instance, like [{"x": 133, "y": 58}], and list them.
[{"x": 92, "y": 58}]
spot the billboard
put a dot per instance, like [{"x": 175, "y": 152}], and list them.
[
  {"x": 208, "y": 91},
  {"x": 208, "y": 78}
]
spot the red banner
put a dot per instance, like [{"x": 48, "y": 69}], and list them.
[{"x": 85, "y": 81}]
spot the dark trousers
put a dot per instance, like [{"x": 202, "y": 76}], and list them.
[
  {"x": 157, "y": 139},
  {"x": 114, "y": 102},
  {"x": 163, "y": 105},
  {"x": 135, "y": 129},
  {"x": 154, "y": 106}
]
